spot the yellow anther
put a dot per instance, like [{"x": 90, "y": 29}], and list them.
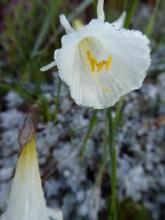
[
  {"x": 108, "y": 62},
  {"x": 92, "y": 61},
  {"x": 98, "y": 65}
]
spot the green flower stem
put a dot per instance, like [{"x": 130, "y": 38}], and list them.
[
  {"x": 103, "y": 162},
  {"x": 92, "y": 122},
  {"x": 43, "y": 106},
  {"x": 130, "y": 11},
  {"x": 57, "y": 98},
  {"x": 151, "y": 23},
  {"x": 113, "y": 212},
  {"x": 118, "y": 115},
  {"x": 113, "y": 125},
  {"x": 41, "y": 36},
  {"x": 112, "y": 165}
]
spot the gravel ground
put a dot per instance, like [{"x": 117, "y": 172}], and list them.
[{"x": 69, "y": 181}]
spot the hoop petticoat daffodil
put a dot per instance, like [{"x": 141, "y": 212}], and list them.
[
  {"x": 101, "y": 62},
  {"x": 26, "y": 199}
]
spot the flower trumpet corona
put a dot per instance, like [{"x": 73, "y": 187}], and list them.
[
  {"x": 101, "y": 61},
  {"x": 26, "y": 200}
]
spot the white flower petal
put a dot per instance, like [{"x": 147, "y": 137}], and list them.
[
  {"x": 100, "y": 10},
  {"x": 26, "y": 198},
  {"x": 55, "y": 214},
  {"x": 66, "y": 25},
  {"x": 119, "y": 23},
  {"x": 130, "y": 61},
  {"x": 49, "y": 66}
]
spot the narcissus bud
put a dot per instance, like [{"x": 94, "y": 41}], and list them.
[{"x": 26, "y": 199}]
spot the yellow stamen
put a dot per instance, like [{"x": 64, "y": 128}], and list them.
[
  {"x": 93, "y": 62},
  {"x": 108, "y": 62},
  {"x": 99, "y": 65}
]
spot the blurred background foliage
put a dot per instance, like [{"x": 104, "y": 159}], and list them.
[{"x": 30, "y": 32}]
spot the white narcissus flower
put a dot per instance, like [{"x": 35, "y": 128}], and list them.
[
  {"x": 26, "y": 199},
  {"x": 101, "y": 62}
]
